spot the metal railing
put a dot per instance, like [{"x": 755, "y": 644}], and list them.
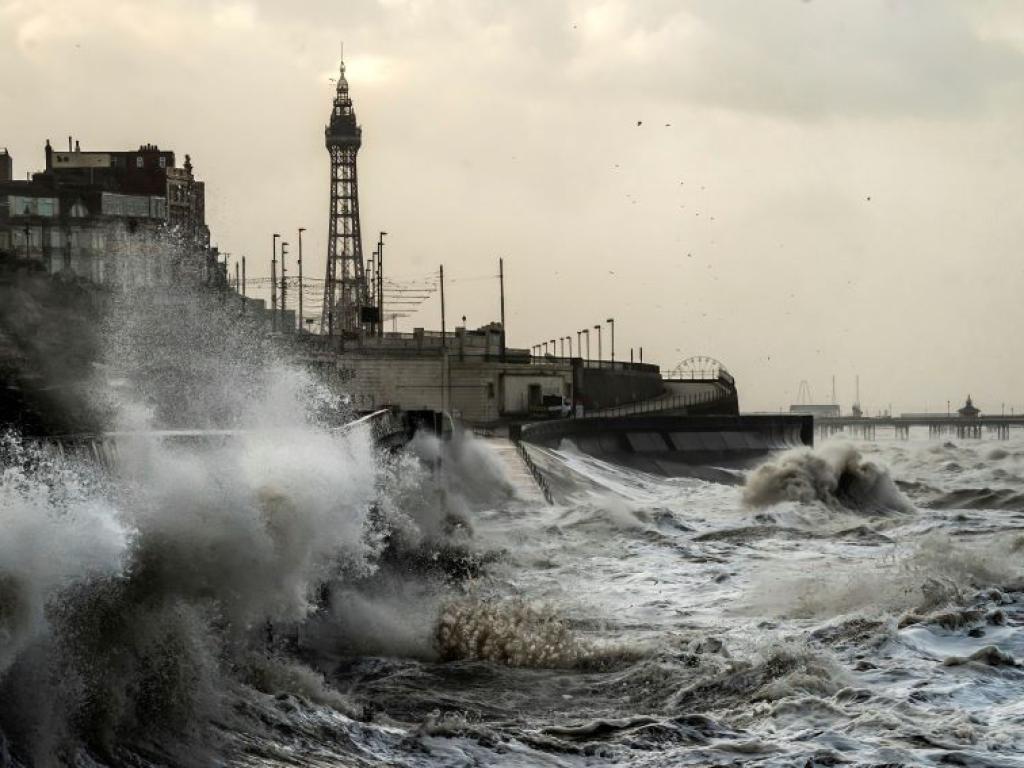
[
  {"x": 721, "y": 376},
  {"x": 538, "y": 478},
  {"x": 607, "y": 365}
]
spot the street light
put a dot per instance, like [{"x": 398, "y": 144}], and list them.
[
  {"x": 579, "y": 342},
  {"x": 284, "y": 285},
  {"x": 598, "y": 329},
  {"x": 379, "y": 274},
  {"x": 586, "y": 332},
  {"x": 611, "y": 322},
  {"x": 273, "y": 283},
  {"x": 301, "y": 230}
]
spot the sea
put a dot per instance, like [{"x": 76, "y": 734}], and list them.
[{"x": 286, "y": 595}]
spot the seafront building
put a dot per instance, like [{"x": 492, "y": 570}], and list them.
[{"x": 112, "y": 218}]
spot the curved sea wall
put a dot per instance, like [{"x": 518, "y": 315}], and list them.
[{"x": 670, "y": 445}]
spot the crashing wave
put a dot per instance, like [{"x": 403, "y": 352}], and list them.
[{"x": 834, "y": 475}]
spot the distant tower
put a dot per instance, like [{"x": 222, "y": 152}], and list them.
[{"x": 345, "y": 284}]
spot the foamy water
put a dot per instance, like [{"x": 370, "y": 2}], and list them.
[
  {"x": 270, "y": 591},
  {"x": 294, "y": 597}
]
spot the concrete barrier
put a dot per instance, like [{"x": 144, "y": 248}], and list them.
[{"x": 673, "y": 445}]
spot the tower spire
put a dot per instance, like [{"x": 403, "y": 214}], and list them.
[{"x": 345, "y": 283}]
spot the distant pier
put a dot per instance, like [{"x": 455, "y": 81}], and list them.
[{"x": 938, "y": 425}]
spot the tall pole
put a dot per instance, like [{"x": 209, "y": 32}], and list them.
[
  {"x": 611, "y": 322},
  {"x": 569, "y": 339},
  {"x": 579, "y": 342},
  {"x": 445, "y": 401},
  {"x": 238, "y": 277},
  {"x": 284, "y": 288},
  {"x": 586, "y": 332},
  {"x": 380, "y": 284},
  {"x": 501, "y": 291},
  {"x": 243, "y": 285},
  {"x": 441, "y": 276},
  {"x": 224, "y": 273},
  {"x": 301, "y": 230},
  {"x": 600, "y": 362},
  {"x": 371, "y": 270},
  {"x": 273, "y": 284}
]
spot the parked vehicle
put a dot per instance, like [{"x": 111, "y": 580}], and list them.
[{"x": 552, "y": 407}]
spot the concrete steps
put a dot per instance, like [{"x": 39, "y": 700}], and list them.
[{"x": 516, "y": 471}]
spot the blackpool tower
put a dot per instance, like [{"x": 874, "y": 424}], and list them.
[{"x": 345, "y": 292}]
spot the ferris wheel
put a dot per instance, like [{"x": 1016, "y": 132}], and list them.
[{"x": 698, "y": 367}]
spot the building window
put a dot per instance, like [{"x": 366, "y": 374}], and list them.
[
  {"x": 138, "y": 161},
  {"x": 163, "y": 162},
  {"x": 490, "y": 390}
]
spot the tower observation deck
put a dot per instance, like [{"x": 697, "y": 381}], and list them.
[{"x": 345, "y": 292}]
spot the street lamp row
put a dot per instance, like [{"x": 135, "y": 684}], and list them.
[
  {"x": 282, "y": 286},
  {"x": 542, "y": 348}
]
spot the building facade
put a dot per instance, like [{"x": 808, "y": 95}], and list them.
[{"x": 118, "y": 219}]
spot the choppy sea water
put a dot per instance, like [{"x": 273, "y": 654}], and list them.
[{"x": 292, "y": 599}]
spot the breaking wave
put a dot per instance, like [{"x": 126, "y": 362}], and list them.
[
  {"x": 936, "y": 573},
  {"x": 836, "y": 476}
]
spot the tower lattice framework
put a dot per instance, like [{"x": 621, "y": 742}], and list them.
[{"x": 345, "y": 284}]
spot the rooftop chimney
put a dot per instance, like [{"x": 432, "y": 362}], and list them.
[{"x": 6, "y": 166}]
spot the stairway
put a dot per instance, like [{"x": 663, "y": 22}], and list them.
[{"x": 516, "y": 470}]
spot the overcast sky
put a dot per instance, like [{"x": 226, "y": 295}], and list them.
[{"x": 817, "y": 188}]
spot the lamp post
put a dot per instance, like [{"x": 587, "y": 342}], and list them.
[
  {"x": 579, "y": 342},
  {"x": 611, "y": 323},
  {"x": 380, "y": 284},
  {"x": 224, "y": 271},
  {"x": 552, "y": 347},
  {"x": 301, "y": 230},
  {"x": 598, "y": 329},
  {"x": 569, "y": 339},
  {"x": 586, "y": 332},
  {"x": 273, "y": 283},
  {"x": 284, "y": 288}
]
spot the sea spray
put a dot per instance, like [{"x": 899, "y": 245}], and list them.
[
  {"x": 56, "y": 532},
  {"x": 835, "y": 475},
  {"x": 512, "y": 632}
]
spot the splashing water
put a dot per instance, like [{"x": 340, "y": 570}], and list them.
[{"x": 285, "y": 595}]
